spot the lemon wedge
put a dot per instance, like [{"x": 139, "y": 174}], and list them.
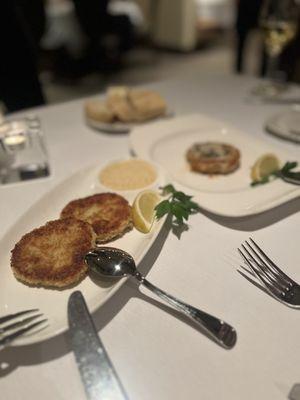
[
  {"x": 264, "y": 166},
  {"x": 143, "y": 212}
]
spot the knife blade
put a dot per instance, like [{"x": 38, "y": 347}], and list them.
[{"x": 96, "y": 370}]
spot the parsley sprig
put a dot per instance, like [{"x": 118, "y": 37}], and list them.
[
  {"x": 286, "y": 170},
  {"x": 178, "y": 205}
]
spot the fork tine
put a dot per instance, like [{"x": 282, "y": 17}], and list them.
[
  {"x": 9, "y": 338},
  {"x": 264, "y": 279},
  {"x": 20, "y": 323},
  {"x": 265, "y": 269},
  {"x": 275, "y": 281},
  {"x": 249, "y": 263},
  {"x": 277, "y": 269},
  {"x": 18, "y": 314}
]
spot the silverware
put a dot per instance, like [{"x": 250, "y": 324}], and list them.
[
  {"x": 116, "y": 263},
  {"x": 275, "y": 281},
  {"x": 15, "y": 325},
  {"x": 293, "y": 178},
  {"x": 96, "y": 370},
  {"x": 295, "y": 392}
]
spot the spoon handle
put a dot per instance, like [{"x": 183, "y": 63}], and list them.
[{"x": 217, "y": 329}]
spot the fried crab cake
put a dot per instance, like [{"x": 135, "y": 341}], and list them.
[
  {"x": 108, "y": 213},
  {"x": 53, "y": 255},
  {"x": 213, "y": 158}
]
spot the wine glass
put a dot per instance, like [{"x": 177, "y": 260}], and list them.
[{"x": 278, "y": 21}]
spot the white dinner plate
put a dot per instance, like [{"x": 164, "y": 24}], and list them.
[
  {"x": 231, "y": 195},
  {"x": 16, "y": 296},
  {"x": 285, "y": 125},
  {"x": 122, "y": 127}
]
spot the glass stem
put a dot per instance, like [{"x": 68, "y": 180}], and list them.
[{"x": 272, "y": 67}]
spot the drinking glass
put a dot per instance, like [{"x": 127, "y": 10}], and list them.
[
  {"x": 278, "y": 21},
  {"x": 23, "y": 153}
]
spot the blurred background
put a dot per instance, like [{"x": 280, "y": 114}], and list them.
[{"x": 58, "y": 50}]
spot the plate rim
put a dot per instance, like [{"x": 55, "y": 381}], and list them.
[{"x": 124, "y": 127}]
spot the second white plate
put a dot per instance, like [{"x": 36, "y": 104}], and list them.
[{"x": 166, "y": 143}]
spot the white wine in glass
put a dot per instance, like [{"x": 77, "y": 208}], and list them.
[
  {"x": 277, "y": 34},
  {"x": 279, "y": 23}
]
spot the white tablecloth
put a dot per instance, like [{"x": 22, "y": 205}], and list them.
[{"x": 156, "y": 354}]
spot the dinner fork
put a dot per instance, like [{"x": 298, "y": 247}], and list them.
[
  {"x": 14, "y": 325},
  {"x": 276, "y": 282}
]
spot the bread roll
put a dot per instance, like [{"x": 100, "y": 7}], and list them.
[
  {"x": 146, "y": 104},
  {"x": 99, "y": 111}
]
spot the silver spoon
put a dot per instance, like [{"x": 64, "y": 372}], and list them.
[{"x": 116, "y": 263}]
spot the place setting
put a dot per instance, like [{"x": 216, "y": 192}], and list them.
[
  {"x": 88, "y": 235},
  {"x": 127, "y": 177},
  {"x": 85, "y": 226},
  {"x": 150, "y": 228}
]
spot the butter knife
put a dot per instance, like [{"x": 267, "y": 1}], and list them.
[{"x": 96, "y": 370}]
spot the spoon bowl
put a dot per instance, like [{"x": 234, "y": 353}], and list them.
[{"x": 110, "y": 262}]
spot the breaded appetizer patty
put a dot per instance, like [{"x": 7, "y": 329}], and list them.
[
  {"x": 213, "y": 158},
  {"x": 53, "y": 255},
  {"x": 108, "y": 213}
]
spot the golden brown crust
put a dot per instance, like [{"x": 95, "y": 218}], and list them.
[
  {"x": 146, "y": 104},
  {"x": 99, "y": 111},
  {"x": 117, "y": 102},
  {"x": 135, "y": 105},
  {"x": 53, "y": 255},
  {"x": 122, "y": 110},
  {"x": 213, "y": 158},
  {"x": 108, "y": 213}
]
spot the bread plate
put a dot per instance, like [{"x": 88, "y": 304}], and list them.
[
  {"x": 122, "y": 127},
  {"x": 16, "y": 296}
]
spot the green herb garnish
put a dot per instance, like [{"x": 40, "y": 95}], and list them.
[
  {"x": 288, "y": 166},
  {"x": 178, "y": 205},
  {"x": 284, "y": 171}
]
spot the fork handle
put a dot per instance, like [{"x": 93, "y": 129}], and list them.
[{"x": 218, "y": 330}]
